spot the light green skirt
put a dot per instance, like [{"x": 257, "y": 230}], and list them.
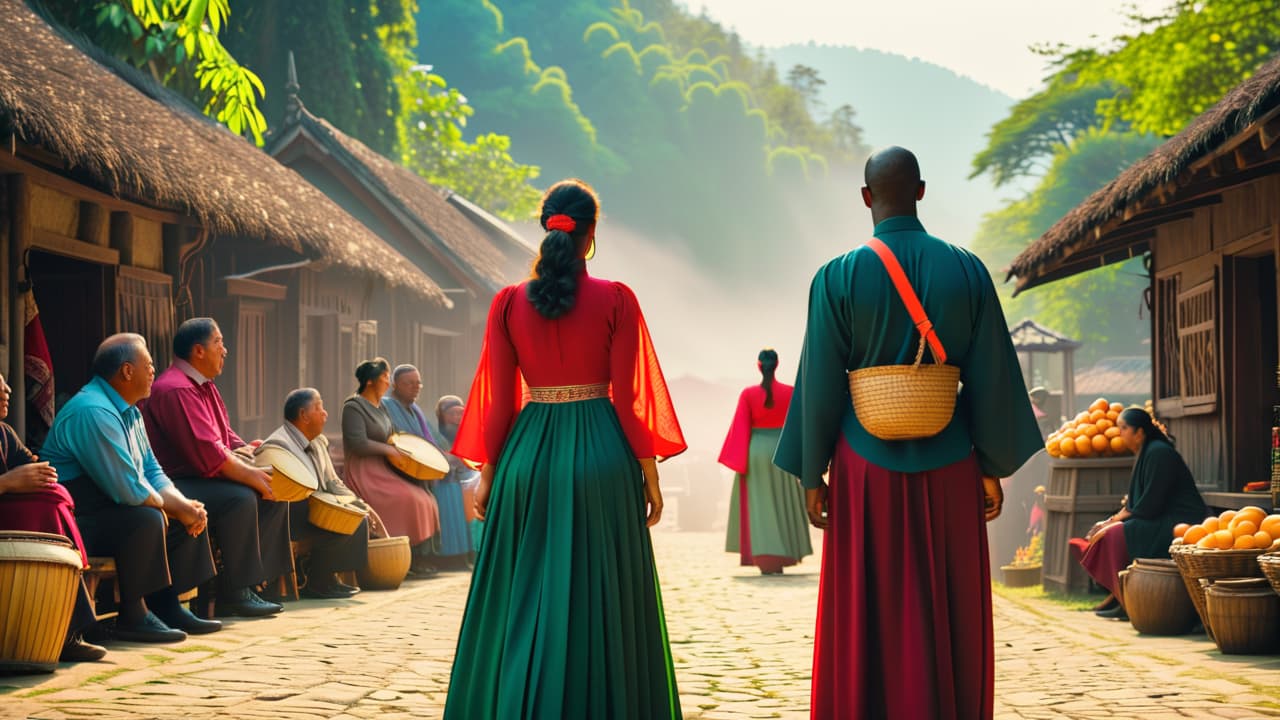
[
  {"x": 776, "y": 516},
  {"x": 564, "y": 619}
]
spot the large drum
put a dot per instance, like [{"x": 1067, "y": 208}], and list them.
[
  {"x": 39, "y": 574},
  {"x": 421, "y": 460},
  {"x": 335, "y": 513},
  {"x": 290, "y": 479}
]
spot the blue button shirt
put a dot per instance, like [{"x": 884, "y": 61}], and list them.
[{"x": 99, "y": 435}]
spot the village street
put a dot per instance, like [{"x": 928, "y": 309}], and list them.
[{"x": 741, "y": 644}]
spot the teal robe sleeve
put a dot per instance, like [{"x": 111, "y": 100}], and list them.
[
  {"x": 993, "y": 395},
  {"x": 821, "y": 395}
]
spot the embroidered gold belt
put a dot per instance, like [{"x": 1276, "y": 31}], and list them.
[{"x": 568, "y": 393}]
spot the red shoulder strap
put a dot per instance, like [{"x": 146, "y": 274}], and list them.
[{"x": 908, "y": 295}]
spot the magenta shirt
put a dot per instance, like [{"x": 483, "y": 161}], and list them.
[{"x": 187, "y": 424}]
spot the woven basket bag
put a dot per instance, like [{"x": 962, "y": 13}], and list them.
[{"x": 906, "y": 402}]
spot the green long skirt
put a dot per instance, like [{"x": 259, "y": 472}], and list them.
[
  {"x": 564, "y": 619},
  {"x": 777, "y": 525}
]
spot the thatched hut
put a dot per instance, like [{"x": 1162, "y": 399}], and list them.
[
  {"x": 1205, "y": 207},
  {"x": 473, "y": 253},
  {"x": 114, "y": 195}
]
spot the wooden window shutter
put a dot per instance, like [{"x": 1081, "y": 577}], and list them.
[{"x": 1197, "y": 346}]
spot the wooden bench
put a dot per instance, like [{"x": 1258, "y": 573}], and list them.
[{"x": 104, "y": 568}]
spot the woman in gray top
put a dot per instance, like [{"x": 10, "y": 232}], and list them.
[{"x": 404, "y": 507}]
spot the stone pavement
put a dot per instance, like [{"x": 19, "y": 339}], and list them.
[{"x": 741, "y": 644}]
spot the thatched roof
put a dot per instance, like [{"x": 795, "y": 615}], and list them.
[
  {"x": 138, "y": 141},
  {"x": 463, "y": 243},
  {"x": 1107, "y": 226},
  {"x": 1030, "y": 336}
]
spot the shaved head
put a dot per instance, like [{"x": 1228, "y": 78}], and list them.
[
  {"x": 893, "y": 183},
  {"x": 893, "y": 174}
]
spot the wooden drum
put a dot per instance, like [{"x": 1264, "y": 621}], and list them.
[
  {"x": 422, "y": 462},
  {"x": 39, "y": 574},
  {"x": 335, "y": 513},
  {"x": 389, "y": 560},
  {"x": 290, "y": 479}
]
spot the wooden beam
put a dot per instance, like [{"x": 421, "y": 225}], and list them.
[
  {"x": 70, "y": 247},
  {"x": 19, "y": 241},
  {"x": 80, "y": 191},
  {"x": 242, "y": 287}
]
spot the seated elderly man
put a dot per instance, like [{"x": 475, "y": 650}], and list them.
[
  {"x": 102, "y": 456},
  {"x": 302, "y": 434},
  {"x": 454, "y": 547},
  {"x": 188, "y": 425}
]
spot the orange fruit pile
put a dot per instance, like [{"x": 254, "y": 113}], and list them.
[
  {"x": 1249, "y": 528},
  {"x": 1091, "y": 434}
]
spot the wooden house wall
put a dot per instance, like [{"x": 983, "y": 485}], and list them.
[{"x": 1215, "y": 341}]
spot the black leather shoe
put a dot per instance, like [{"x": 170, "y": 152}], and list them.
[
  {"x": 326, "y": 592},
  {"x": 182, "y": 619},
  {"x": 246, "y": 603},
  {"x": 77, "y": 650},
  {"x": 151, "y": 630},
  {"x": 349, "y": 589},
  {"x": 1115, "y": 613}
]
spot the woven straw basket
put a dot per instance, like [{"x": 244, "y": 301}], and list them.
[
  {"x": 1198, "y": 564},
  {"x": 1270, "y": 564},
  {"x": 905, "y": 402},
  {"x": 389, "y": 560},
  {"x": 38, "y": 577}
]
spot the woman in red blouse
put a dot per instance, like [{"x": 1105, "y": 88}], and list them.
[
  {"x": 567, "y": 417},
  {"x": 767, "y": 523}
]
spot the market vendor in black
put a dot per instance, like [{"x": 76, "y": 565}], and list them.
[{"x": 1162, "y": 494}]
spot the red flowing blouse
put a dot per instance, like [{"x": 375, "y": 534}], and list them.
[
  {"x": 602, "y": 339},
  {"x": 751, "y": 414}
]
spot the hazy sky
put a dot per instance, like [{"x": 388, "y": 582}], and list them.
[{"x": 987, "y": 40}]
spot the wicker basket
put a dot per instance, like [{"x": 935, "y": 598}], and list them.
[
  {"x": 905, "y": 402},
  {"x": 388, "y": 564},
  {"x": 1198, "y": 564},
  {"x": 1270, "y": 564},
  {"x": 39, "y": 573},
  {"x": 1156, "y": 599},
  {"x": 1245, "y": 615},
  {"x": 333, "y": 513}
]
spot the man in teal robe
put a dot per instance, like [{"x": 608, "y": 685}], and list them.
[{"x": 904, "y": 612}]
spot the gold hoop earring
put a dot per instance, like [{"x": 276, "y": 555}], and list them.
[{"x": 591, "y": 250}]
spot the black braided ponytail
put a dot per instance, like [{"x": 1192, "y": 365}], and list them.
[
  {"x": 768, "y": 359},
  {"x": 569, "y": 212}
]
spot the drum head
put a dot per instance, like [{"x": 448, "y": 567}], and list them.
[
  {"x": 422, "y": 450},
  {"x": 287, "y": 464}
]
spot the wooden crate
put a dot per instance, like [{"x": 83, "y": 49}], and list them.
[{"x": 1079, "y": 493}]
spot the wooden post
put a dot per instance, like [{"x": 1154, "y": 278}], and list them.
[
  {"x": 19, "y": 241},
  {"x": 1068, "y": 383}
]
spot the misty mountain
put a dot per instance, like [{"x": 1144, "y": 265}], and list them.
[{"x": 941, "y": 116}]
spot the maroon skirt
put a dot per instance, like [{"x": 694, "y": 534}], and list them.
[
  {"x": 904, "y": 604},
  {"x": 49, "y": 510},
  {"x": 1105, "y": 558}
]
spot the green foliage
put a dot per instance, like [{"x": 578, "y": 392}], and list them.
[
  {"x": 1181, "y": 62},
  {"x": 483, "y": 171},
  {"x": 177, "y": 42},
  {"x": 681, "y": 130},
  {"x": 1103, "y": 109},
  {"x": 346, "y": 55}
]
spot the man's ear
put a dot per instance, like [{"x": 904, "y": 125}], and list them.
[
  {"x": 920, "y": 191},
  {"x": 866, "y": 196}
]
